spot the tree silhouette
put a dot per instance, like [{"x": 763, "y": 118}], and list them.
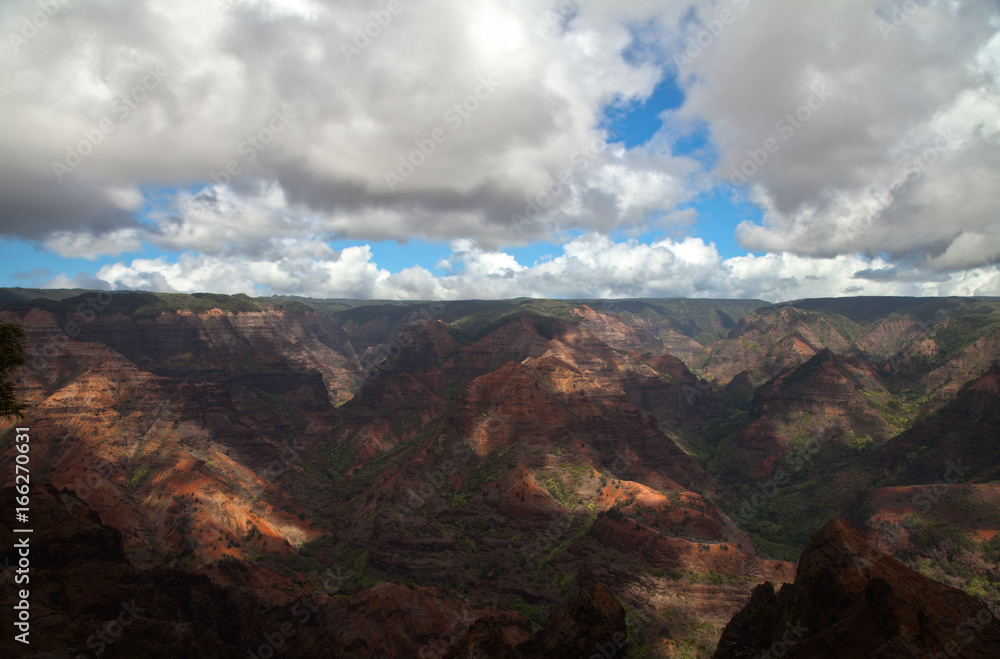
[{"x": 11, "y": 358}]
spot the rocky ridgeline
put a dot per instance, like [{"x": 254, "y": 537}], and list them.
[{"x": 850, "y": 599}]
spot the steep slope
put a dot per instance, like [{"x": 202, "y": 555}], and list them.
[
  {"x": 936, "y": 476},
  {"x": 966, "y": 431},
  {"x": 936, "y": 501},
  {"x": 630, "y": 335},
  {"x": 772, "y": 340},
  {"x": 196, "y": 459},
  {"x": 968, "y": 363},
  {"x": 827, "y": 398},
  {"x": 540, "y": 475},
  {"x": 84, "y": 594}
]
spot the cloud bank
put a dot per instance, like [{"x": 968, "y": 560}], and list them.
[{"x": 236, "y": 139}]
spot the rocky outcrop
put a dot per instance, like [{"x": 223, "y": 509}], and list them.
[{"x": 850, "y": 599}]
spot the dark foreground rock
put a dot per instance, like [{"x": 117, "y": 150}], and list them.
[
  {"x": 590, "y": 623},
  {"x": 851, "y": 600}
]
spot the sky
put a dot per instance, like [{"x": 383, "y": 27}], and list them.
[{"x": 435, "y": 149}]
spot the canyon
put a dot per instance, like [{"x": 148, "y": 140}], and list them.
[{"x": 452, "y": 478}]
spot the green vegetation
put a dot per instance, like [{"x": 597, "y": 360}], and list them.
[
  {"x": 143, "y": 305},
  {"x": 784, "y": 523},
  {"x": 862, "y": 443},
  {"x": 490, "y": 469},
  {"x": 690, "y": 637},
  {"x": 485, "y": 544},
  {"x": 138, "y": 477},
  {"x": 954, "y": 570},
  {"x": 350, "y": 565},
  {"x": 933, "y": 535},
  {"x": 466, "y": 545},
  {"x": 472, "y": 320},
  {"x": 711, "y": 577},
  {"x": 378, "y": 465},
  {"x": 146, "y": 305},
  {"x": 285, "y": 409},
  {"x": 150, "y": 305},
  {"x": 705, "y": 321},
  {"x": 868, "y": 309},
  {"x": 337, "y": 459},
  {"x": 533, "y": 613},
  {"x": 554, "y": 484},
  {"x": 958, "y": 327},
  {"x": 581, "y": 526}
]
